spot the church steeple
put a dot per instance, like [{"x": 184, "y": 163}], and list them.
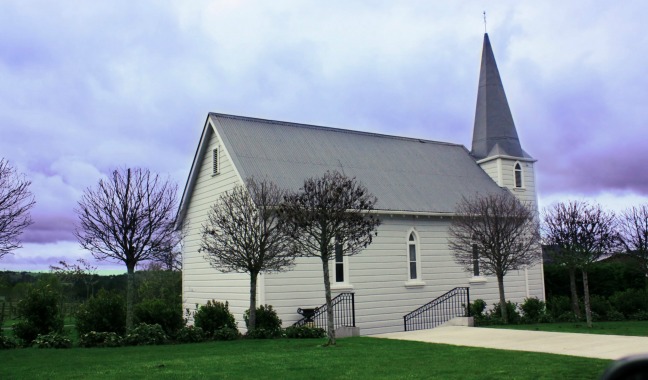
[{"x": 494, "y": 133}]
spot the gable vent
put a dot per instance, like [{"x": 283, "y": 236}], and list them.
[{"x": 215, "y": 162}]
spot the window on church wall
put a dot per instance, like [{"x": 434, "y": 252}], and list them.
[
  {"x": 339, "y": 263},
  {"x": 412, "y": 257},
  {"x": 518, "y": 175},
  {"x": 475, "y": 258}
]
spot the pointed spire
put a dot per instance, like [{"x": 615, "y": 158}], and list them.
[{"x": 494, "y": 132}]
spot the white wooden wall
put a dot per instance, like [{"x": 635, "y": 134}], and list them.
[
  {"x": 200, "y": 282},
  {"x": 378, "y": 276}
]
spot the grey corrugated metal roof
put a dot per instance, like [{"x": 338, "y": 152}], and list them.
[
  {"x": 494, "y": 131},
  {"x": 405, "y": 174}
]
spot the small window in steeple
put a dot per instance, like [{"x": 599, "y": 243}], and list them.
[{"x": 518, "y": 175}]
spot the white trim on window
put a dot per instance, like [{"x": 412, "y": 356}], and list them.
[
  {"x": 413, "y": 259},
  {"x": 518, "y": 176},
  {"x": 340, "y": 271}
]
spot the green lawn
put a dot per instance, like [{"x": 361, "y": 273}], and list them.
[
  {"x": 354, "y": 358},
  {"x": 632, "y": 328}
]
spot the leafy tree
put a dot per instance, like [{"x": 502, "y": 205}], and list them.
[
  {"x": 128, "y": 218},
  {"x": 497, "y": 232},
  {"x": 38, "y": 311},
  {"x": 633, "y": 233},
  {"x": 330, "y": 212},
  {"x": 581, "y": 234},
  {"x": 244, "y": 234},
  {"x": 15, "y": 202}
]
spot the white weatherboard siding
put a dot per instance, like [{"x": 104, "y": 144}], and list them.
[
  {"x": 379, "y": 274},
  {"x": 200, "y": 282}
]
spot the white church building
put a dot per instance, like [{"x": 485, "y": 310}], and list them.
[{"x": 417, "y": 182}]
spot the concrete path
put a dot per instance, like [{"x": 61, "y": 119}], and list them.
[{"x": 587, "y": 345}]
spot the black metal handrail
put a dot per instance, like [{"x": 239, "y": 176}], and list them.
[
  {"x": 343, "y": 313},
  {"x": 454, "y": 303}
]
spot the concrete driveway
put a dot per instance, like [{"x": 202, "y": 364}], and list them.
[{"x": 587, "y": 345}]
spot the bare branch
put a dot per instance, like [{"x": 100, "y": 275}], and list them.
[
  {"x": 503, "y": 229},
  {"x": 330, "y": 211},
  {"x": 243, "y": 233},
  {"x": 633, "y": 233},
  {"x": 129, "y": 217},
  {"x": 498, "y": 233},
  {"x": 580, "y": 234},
  {"x": 15, "y": 202}
]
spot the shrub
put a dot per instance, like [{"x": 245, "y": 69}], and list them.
[
  {"x": 226, "y": 333},
  {"x": 262, "y": 333},
  {"x": 614, "y": 316},
  {"x": 214, "y": 316},
  {"x": 52, "y": 340},
  {"x": 38, "y": 312},
  {"x": 477, "y": 308},
  {"x": 600, "y": 305},
  {"x": 304, "y": 332},
  {"x": 144, "y": 335},
  {"x": 190, "y": 334},
  {"x": 533, "y": 309},
  {"x": 100, "y": 339},
  {"x": 558, "y": 305},
  {"x": 568, "y": 317},
  {"x": 106, "y": 312},
  {"x": 157, "y": 311},
  {"x": 545, "y": 318},
  {"x": 268, "y": 324},
  {"x": 6, "y": 343},
  {"x": 639, "y": 316},
  {"x": 630, "y": 301},
  {"x": 512, "y": 312}
]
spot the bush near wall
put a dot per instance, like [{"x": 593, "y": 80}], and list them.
[{"x": 157, "y": 311}]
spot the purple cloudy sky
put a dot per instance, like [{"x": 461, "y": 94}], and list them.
[{"x": 90, "y": 86}]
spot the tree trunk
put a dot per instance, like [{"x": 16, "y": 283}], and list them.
[
  {"x": 253, "y": 293},
  {"x": 503, "y": 309},
  {"x": 574, "y": 294},
  {"x": 130, "y": 296},
  {"x": 588, "y": 309},
  {"x": 329, "y": 306}
]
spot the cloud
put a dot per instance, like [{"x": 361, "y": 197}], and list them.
[
  {"x": 89, "y": 87},
  {"x": 38, "y": 257}
]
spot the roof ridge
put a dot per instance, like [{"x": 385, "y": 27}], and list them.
[{"x": 333, "y": 129}]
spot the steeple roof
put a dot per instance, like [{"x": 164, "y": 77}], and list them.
[{"x": 494, "y": 133}]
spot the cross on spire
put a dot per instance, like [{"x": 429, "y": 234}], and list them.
[{"x": 485, "y": 22}]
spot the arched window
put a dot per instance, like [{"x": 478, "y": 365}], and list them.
[
  {"x": 412, "y": 257},
  {"x": 339, "y": 263},
  {"x": 475, "y": 258},
  {"x": 518, "y": 175}
]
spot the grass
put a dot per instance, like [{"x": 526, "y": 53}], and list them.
[
  {"x": 353, "y": 358},
  {"x": 630, "y": 328}
]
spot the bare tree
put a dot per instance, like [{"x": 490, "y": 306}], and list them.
[
  {"x": 129, "y": 218},
  {"x": 244, "y": 234},
  {"x": 15, "y": 202},
  {"x": 498, "y": 233},
  {"x": 582, "y": 234},
  {"x": 331, "y": 212},
  {"x": 82, "y": 270},
  {"x": 633, "y": 233},
  {"x": 169, "y": 256}
]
